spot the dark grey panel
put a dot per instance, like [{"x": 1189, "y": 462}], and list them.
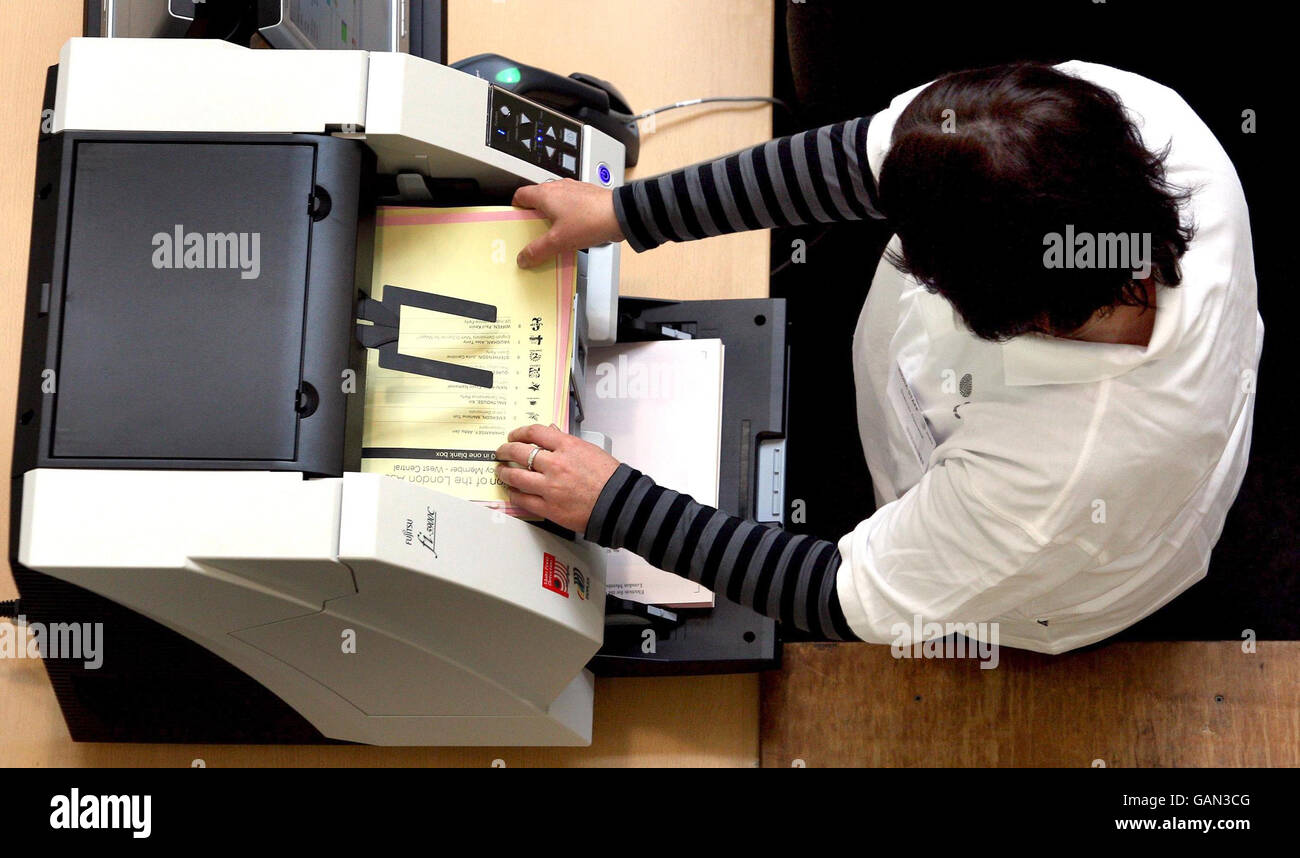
[
  {"x": 188, "y": 362},
  {"x": 429, "y": 30},
  {"x": 533, "y": 133}
]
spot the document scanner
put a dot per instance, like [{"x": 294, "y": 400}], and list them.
[
  {"x": 190, "y": 404},
  {"x": 185, "y": 459}
]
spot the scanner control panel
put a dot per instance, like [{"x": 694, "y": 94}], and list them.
[{"x": 534, "y": 134}]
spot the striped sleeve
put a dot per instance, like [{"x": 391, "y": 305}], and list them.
[
  {"x": 821, "y": 175},
  {"x": 789, "y": 578}
]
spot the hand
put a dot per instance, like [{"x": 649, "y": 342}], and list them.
[
  {"x": 581, "y": 215},
  {"x": 567, "y": 476}
]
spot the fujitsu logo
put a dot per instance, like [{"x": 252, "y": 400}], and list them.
[{"x": 235, "y": 250}]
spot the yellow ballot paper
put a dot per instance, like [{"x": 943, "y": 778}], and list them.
[{"x": 502, "y": 336}]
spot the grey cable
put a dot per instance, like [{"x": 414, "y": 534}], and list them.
[{"x": 693, "y": 101}]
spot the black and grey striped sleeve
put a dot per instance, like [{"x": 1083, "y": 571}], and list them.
[
  {"x": 787, "y": 577},
  {"x": 821, "y": 175}
]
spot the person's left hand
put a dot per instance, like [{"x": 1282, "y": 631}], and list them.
[{"x": 567, "y": 476}]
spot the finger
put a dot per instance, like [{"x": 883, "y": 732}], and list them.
[
  {"x": 531, "y": 504},
  {"x": 521, "y": 479},
  {"x": 539, "y": 250},
  {"x": 546, "y": 437},
  {"x": 514, "y": 451},
  {"x": 518, "y": 452},
  {"x": 527, "y": 197}
]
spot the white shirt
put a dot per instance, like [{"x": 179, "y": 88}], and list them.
[{"x": 1082, "y": 485}]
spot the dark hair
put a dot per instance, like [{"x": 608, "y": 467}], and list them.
[{"x": 1025, "y": 151}]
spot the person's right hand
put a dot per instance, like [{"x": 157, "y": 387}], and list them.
[{"x": 581, "y": 216}]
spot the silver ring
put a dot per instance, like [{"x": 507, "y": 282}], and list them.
[{"x": 533, "y": 455}]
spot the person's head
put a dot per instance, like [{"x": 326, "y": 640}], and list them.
[{"x": 990, "y": 171}]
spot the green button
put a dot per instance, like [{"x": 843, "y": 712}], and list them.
[{"x": 508, "y": 75}]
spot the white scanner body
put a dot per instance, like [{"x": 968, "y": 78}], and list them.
[{"x": 381, "y": 611}]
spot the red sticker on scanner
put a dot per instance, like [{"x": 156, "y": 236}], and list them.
[{"x": 555, "y": 575}]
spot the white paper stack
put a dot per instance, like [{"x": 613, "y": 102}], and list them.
[{"x": 661, "y": 404}]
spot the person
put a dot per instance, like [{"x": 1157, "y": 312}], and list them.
[{"x": 1054, "y": 363}]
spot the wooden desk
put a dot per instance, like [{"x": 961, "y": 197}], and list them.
[
  {"x": 1127, "y": 705},
  {"x": 656, "y": 52}
]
